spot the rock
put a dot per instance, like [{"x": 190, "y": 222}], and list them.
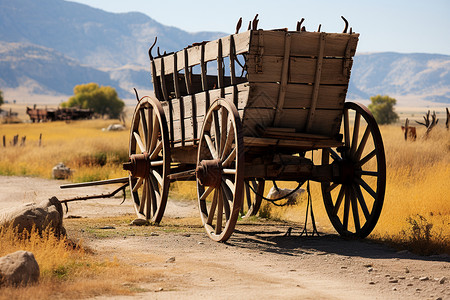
[
  {"x": 18, "y": 268},
  {"x": 442, "y": 280},
  {"x": 114, "y": 127},
  {"x": 393, "y": 281},
  {"x": 425, "y": 278},
  {"x": 48, "y": 213},
  {"x": 370, "y": 269},
  {"x": 275, "y": 193},
  {"x": 60, "y": 171},
  {"x": 401, "y": 277},
  {"x": 107, "y": 227},
  {"x": 139, "y": 222},
  {"x": 170, "y": 260}
]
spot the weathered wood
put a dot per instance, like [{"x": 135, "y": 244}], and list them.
[
  {"x": 301, "y": 70},
  {"x": 284, "y": 79},
  {"x": 241, "y": 41},
  {"x": 303, "y": 43},
  {"x": 318, "y": 75},
  {"x": 288, "y": 143}
]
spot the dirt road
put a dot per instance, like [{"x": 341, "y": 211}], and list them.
[{"x": 258, "y": 262}]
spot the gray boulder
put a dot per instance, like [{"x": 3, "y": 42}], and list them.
[
  {"x": 42, "y": 215},
  {"x": 18, "y": 268}
]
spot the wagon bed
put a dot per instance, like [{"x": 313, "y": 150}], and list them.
[{"x": 292, "y": 92}]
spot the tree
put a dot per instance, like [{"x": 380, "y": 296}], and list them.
[
  {"x": 382, "y": 108},
  {"x": 102, "y": 99}
]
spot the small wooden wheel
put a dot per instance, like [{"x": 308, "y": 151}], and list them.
[
  {"x": 220, "y": 166},
  {"x": 252, "y": 201},
  {"x": 149, "y": 164},
  {"x": 355, "y": 198}
]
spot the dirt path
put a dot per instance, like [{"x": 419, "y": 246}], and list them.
[{"x": 258, "y": 262}]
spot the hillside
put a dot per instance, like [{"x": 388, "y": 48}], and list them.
[
  {"x": 43, "y": 70},
  {"x": 48, "y": 46}
]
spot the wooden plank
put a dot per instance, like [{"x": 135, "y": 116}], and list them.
[
  {"x": 301, "y": 70},
  {"x": 303, "y": 43},
  {"x": 284, "y": 79},
  {"x": 297, "y": 96},
  {"x": 317, "y": 77},
  {"x": 285, "y": 143},
  {"x": 220, "y": 71},
  {"x": 327, "y": 122}
]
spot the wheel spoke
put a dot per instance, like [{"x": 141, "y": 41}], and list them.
[
  {"x": 206, "y": 193},
  {"x": 355, "y": 133},
  {"x": 355, "y": 210},
  {"x": 332, "y": 187},
  {"x": 155, "y": 133},
  {"x": 150, "y": 127},
  {"x": 143, "y": 197},
  {"x": 362, "y": 144},
  {"x": 346, "y": 208},
  {"x": 248, "y": 195},
  {"x": 138, "y": 184},
  {"x": 158, "y": 177},
  {"x": 224, "y": 132},
  {"x": 362, "y": 183},
  {"x": 366, "y": 158},
  {"x": 228, "y": 142},
  {"x": 368, "y": 173},
  {"x": 210, "y": 144},
  {"x": 156, "y": 150},
  {"x": 230, "y": 184},
  {"x": 229, "y": 159},
  {"x": 229, "y": 171},
  {"x": 346, "y": 128},
  {"x": 361, "y": 200},
  {"x": 144, "y": 125},
  {"x": 213, "y": 207},
  {"x": 337, "y": 205},
  {"x": 219, "y": 212},
  {"x": 226, "y": 205},
  {"x": 139, "y": 141},
  {"x": 216, "y": 131},
  {"x": 150, "y": 196},
  {"x": 334, "y": 154}
]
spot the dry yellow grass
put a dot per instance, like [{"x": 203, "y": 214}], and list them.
[
  {"x": 64, "y": 268},
  {"x": 92, "y": 153}
]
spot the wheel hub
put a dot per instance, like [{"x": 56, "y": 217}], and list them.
[
  {"x": 347, "y": 172},
  {"x": 209, "y": 172},
  {"x": 138, "y": 165}
]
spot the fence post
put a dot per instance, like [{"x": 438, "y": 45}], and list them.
[
  {"x": 4, "y": 141},
  {"x": 40, "y": 139}
]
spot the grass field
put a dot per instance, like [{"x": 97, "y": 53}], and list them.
[{"x": 416, "y": 211}]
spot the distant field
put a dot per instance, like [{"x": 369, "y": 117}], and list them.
[{"x": 417, "y": 204}]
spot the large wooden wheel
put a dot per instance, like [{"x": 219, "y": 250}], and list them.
[
  {"x": 252, "y": 201},
  {"x": 149, "y": 163},
  {"x": 354, "y": 200},
  {"x": 220, "y": 166}
]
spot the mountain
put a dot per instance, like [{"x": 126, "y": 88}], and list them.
[
  {"x": 420, "y": 74},
  {"x": 89, "y": 35},
  {"x": 49, "y": 46},
  {"x": 43, "y": 69}
]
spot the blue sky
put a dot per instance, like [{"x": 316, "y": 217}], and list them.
[{"x": 396, "y": 25}]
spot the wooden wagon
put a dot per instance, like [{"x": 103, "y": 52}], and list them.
[{"x": 237, "y": 111}]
